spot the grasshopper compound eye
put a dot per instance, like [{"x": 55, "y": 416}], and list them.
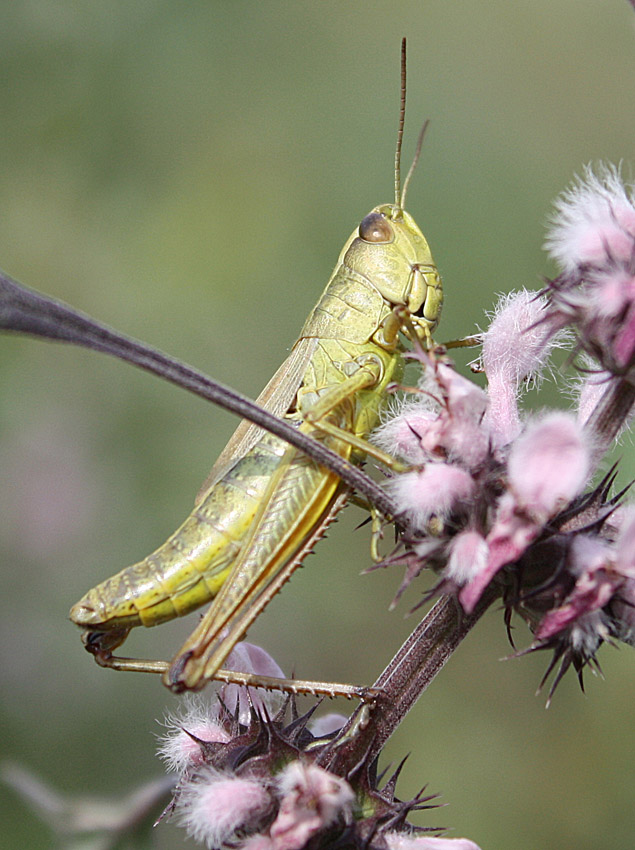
[{"x": 375, "y": 228}]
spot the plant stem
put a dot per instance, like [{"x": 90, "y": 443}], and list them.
[
  {"x": 405, "y": 678},
  {"x": 610, "y": 414},
  {"x": 25, "y": 311}
]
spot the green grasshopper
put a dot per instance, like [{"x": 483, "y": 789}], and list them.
[{"x": 265, "y": 503}]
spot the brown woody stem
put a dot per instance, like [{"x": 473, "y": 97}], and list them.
[{"x": 405, "y": 678}]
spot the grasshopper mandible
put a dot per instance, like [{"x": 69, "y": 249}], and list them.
[{"x": 265, "y": 504}]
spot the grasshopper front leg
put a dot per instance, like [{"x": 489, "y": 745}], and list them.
[{"x": 368, "y": 374}]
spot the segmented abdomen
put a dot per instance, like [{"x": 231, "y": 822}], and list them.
[{"x": 190, "y": 567}]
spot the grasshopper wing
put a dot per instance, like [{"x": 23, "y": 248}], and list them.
[{"x": 277, "y": 397}]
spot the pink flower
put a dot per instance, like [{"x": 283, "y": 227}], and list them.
[
  {"x": 402, "y": 434},
  {"x": 548, "y": 465},
  {"x": 312, "y": 799},
  {"x": 509, "y": 538},
  {"x": 468, "y": 557},
  {"x": 215, "y": 806},
  {"x": 248, "y": 658},
  {"x": 433, "y": 491},
  {"x": 179, "y": 748},
  {"x": 591, "y": 560},
  {"x": 198, "y": 719},
  {"x": 591, "y": 389},
  {"x": 593, "y": 238},
  {"x": 444, "y": 423},
  {"x": 594, "y": 223},
  {"x": 461, "y": 434}
]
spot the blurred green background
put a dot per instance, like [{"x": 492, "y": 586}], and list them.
[{"x": 188, "y": 173}]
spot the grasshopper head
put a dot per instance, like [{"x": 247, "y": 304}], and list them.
[{"x": 392, "y": 253}]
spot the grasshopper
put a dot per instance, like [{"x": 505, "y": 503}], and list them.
[{"x": 265, "y": 503}]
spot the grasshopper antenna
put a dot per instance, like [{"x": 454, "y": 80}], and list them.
[
  {"x": 400, "y": 194},
  {"x": 402, "y": 121},
  {"x": 415, "y": 160}
]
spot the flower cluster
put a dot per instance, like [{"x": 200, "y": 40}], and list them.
[
  {"x": 250, "y": 779},
  {"x": 497, "y": 498},
  {"x": 498, "y": 503},
  {"x": 593, "y": 239}
]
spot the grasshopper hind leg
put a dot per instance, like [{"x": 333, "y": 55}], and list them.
[{"x": 101, "y": 645}]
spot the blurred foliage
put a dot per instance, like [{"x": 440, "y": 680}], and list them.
[{"x": 188, "y": 173}]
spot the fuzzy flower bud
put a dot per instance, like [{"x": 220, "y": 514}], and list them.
[
  {"x": 593, "y": 239},
  {"x": 216, "y": 806},
  {"x": 311, "y": 800},
  {"x": 549, "y": 464},
  {"x": 402, "y": 434},
  {"x": 468, "y": 557},
  {"x": 433, "y": 491},
  {"x": 590, "y": 390},
  {"x": 179, "y": 747},
  {"x": 445, "y": 423},
  {"x": 594, "y": 222},
  {"x": 463, "y": 436}
]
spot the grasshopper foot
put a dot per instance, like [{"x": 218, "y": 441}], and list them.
[{"x": 101, "y": 644}]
